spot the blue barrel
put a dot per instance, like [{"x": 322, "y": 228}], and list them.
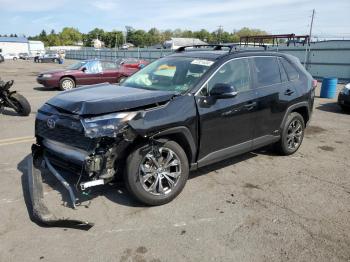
[{"x": 329, "y": 87}]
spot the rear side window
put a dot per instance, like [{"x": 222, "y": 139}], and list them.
[
  {"x": 108, "y": 65},
  {"x": 290, "y": 69},
  {"x": 284, "y": 76},
  {"x": 267, "y": 71}
]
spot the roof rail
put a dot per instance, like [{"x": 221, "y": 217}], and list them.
[{"x": 218, "y": 47}]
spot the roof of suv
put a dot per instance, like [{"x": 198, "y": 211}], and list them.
[{"x": 215, "y": 55}]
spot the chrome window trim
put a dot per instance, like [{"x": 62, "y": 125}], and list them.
[
  {"x": 212, "y": 75},
  {"x": 245, "y": 57}
]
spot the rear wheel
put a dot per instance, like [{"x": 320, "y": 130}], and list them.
[
  {"x": 67, "y": 83},
  {"x": 292, "y": 134},
  {"x": 155, "y": 175},
  {"x": 22, "y": 105}
]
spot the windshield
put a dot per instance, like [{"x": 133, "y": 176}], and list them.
[
  {"x": 76, "y": 66},
  {"x": 178, "y": 74}
]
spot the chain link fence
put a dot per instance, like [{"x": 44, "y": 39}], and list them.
[
  {"x": 111, "y": 54},
  {"x": 323, "y": 59}
]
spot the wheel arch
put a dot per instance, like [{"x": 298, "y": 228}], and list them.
[
  {"x": 302, "y": 108},
  {"x": 183, "y": 137},
  {"x": 69, "y": 76}
]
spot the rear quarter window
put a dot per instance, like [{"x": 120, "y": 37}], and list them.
[
  {"x": 290, "y": 69},
  {"x": 267, "y": 71}
]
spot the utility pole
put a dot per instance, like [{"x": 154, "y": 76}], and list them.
[
  {"x": 312, "y": 23},
  {"x": 307, "y": 50},
  {"x": 115, "y": 46},
  {"x": 220, "y": 29}
]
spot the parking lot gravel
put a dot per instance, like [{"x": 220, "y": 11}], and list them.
[{"x": 255, "y": 207}]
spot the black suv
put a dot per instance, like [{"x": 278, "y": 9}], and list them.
[{"x": 179, "y": 113}]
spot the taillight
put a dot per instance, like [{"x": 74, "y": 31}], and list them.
[{"x": 314, "y": 83}]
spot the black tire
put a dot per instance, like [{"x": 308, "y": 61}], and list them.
[
  {"x": 133, "y": 169},
  {"x": 67, "y": 83},
  {"x": 283, "y": 146},
  {"x": 345, "y": 109},
  {"x": 14, "y": 59},
  {"x": 23, "y": 106}
]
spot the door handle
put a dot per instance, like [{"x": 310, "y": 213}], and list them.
[
  {"x": 288, "y": 92},
  {"x": 250, "y": 105}
]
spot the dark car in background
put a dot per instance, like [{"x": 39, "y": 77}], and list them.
[
  {"x": 47, "y": 58},
  {"x": 89, "y": 72},
  {"x": 24, "y": 56},
  {"x": 344, "y": 98},
  {"x": 2, "y": 59}
]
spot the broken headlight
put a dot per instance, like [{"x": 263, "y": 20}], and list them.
[{"x": 106, "y": 125}]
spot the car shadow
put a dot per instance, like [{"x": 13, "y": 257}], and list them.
[
  {"x": 10, "y": 112},
  {"x": 43, "y": 88},
  {"x": 116, "y": 191},
  {"x": 332, "y": 107},
  {"x": 222, "y": 164}
]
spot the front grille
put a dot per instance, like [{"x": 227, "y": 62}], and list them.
[{"x": 64, "y": 134}]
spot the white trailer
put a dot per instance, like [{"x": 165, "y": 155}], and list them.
[
  {"x": 13, "y": 45},
  {"x": 36, "y": 47}
]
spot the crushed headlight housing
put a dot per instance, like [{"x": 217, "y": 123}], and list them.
[{"x": 106, "y": 125}]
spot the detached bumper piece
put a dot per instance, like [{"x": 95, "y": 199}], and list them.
[{"x": 40, "y": 211}]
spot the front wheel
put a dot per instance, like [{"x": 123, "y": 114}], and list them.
[
  {"x": 22, "y": 105},
  {"x": 156, "y": 174},
  {"x": 292, "y": 134},
  {"x": 67, "y": 83}
]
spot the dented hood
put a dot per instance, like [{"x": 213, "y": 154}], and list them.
[{"x": 106, "y": 98}]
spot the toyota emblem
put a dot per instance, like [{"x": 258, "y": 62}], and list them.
[{"x": 51, "y": 123}]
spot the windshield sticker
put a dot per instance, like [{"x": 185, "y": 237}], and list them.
[{"x": 202, "y": 62}]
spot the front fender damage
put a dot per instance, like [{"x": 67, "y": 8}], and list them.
[{"x": 40, "y": 212}]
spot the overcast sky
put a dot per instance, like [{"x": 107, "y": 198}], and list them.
[{"x": 29, "y": 17}]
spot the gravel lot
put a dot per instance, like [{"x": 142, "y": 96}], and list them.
[{"x": 256, "y": 207}]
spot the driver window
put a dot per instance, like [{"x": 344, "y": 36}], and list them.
[
  {"x": 93, "y": 67},
  {"x": 235, "y": 73}
]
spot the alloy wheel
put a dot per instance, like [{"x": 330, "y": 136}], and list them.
[
  {"x": 67, "y": 84},
  {"x": 159, "y": 172},
  {"x": 294, "y": 134}
]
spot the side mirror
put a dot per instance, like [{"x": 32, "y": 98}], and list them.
[
  {"x": 221, "y": 90},
  {"x": 84, "y": 69}
]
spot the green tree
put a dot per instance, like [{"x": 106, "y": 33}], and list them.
[
  {"x": 93, "y": 34},
  {"x": 70, "y": 36}
]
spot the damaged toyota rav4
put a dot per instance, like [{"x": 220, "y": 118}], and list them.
[{"x": 179, "y": 113}]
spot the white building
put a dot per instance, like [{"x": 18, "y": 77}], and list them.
[
  {"x": 176, "y": 42},
  {"x": 36, "y": 47},
  {"x": 13, "y": 45},
  {"x": 97, "y": 43}
]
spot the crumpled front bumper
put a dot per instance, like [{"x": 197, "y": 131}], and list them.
[{"x": 40, "y": 211}]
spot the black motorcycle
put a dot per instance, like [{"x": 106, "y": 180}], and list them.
[{"x": 12, "y": 99}]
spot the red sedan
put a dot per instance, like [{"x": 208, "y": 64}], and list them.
[{"x": 90, "y": 72}]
